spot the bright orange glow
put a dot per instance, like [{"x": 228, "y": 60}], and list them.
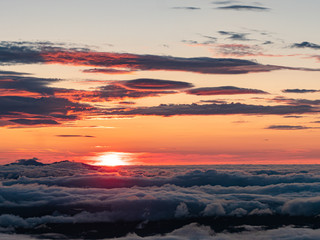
[{"x": 113, "y": 159}]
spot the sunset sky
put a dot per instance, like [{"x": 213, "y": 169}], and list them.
[{"x": 152, "y": 82}]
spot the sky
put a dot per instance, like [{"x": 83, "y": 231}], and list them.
[{"x": 156, "y": 82}]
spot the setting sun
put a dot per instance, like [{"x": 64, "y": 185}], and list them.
[{"x": 113, "y": 159}]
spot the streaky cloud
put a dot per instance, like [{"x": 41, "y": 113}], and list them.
[
  {"x": 224, "y": 90},
  {"x": 243, "y": 8}
]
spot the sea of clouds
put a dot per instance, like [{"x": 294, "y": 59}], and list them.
[{"x": 69, "y": 200}]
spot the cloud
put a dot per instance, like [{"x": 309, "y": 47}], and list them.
[
  {"x": 34, "y": 121},
  {"x": 16, "y": 53},
  {"x": 305, "y": 45},
  {"x": 67, "y": 136},
  {"x": 212, "y": 109},
  {"x": 148, "y": 200},
  {"x": 234, "y": 35},
  {"x": 108, "y": 71},
  {"x": 298, "y": 101},
  {"x": 287, "y": 127},
  {"x": 187, "y": 8},
  {"x": 14, "y": 82},
  {"x": 243, "y": 8},
  {"x": 154, "y": 84},
  {"x": 44, "y": 110},
  {"x": 300, "y": 90},
  {"x": 225, "y": 90}
]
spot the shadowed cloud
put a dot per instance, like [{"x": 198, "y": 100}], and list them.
[
  {"x": 225, "y": 90},
  {"x": 212, "y": 109},
  {"x": 287, "y": 127},
  {"x": 306, "y": 45},
  {"x": 243, "y": 8},
  {"x": 147, "y": 83},
  {"x": 67, "y": 136},
  {"x": 14, "y": 53},
  {"x": 300, "y": 90}
]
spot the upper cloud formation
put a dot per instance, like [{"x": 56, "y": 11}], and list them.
[
  {"x": 306, "y": 45},
  {"x": 225, "y": 90},
  {"x": 14, "y": 53},
  {"x": 243, "y": 8}
]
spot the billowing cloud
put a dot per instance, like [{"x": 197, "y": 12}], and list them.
[
  {"x": 225, "y": 90},
  {"x": 296, "y": 90},
  {"x": 213, "y": 109},
  {"x": 287, "y": 127},
  {"x": 57, "y": 198},
  {"x": 243, "y": 8},
  {"x": 306, "y": 45}
]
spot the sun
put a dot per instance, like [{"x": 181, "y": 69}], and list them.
[{"x": 112, "y": 159}]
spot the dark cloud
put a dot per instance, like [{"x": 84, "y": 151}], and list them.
[
  {"x": 154, "y": 84},
  {"x": 300, "y": 90},
  {"x": 14, "y": 83},
  {"x": 187, "y": 8},
  {"x": 298, "y": 101},
  {"x": 306, "y": 45},
  {"x": 34, "y": 111},
  {"x": 234, "y": 35},
  {"x": 67, "y": 136},
  {"x": 12, "y": 73},
  {"x": 243, "y": 8},
  {"x": 287, "y": 127},
  {"x": 34, "y": 121},
  {"x": 14, "y": 53},
  {"x": 117, "y": 91},
  {"x": 225, "y": 90},
  {"x": 213, "y": 109}
]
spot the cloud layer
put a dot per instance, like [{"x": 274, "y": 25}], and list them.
[{"x": 40, "y": 198}]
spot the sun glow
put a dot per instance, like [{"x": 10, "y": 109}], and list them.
[{"x": 113, "y": 159}]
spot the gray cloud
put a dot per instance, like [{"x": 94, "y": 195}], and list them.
[
  {"x": 225, "y": 90},
  {"x": 213, "y": 109},
  {"x": 287, "y": 127},
  {"x": 57, "y": 198},
  {"x": 15, "y": 53},
  {"x": 154, "y": 84},
  {"x": 243, "y": 8},
  {"x": 66, "y": 136},
  {"x": 187, "y": 8},
  {"x": 300, "y": 90},
  {"x": 235, "y": 36},
  {"x": 306, "y": 45}
]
